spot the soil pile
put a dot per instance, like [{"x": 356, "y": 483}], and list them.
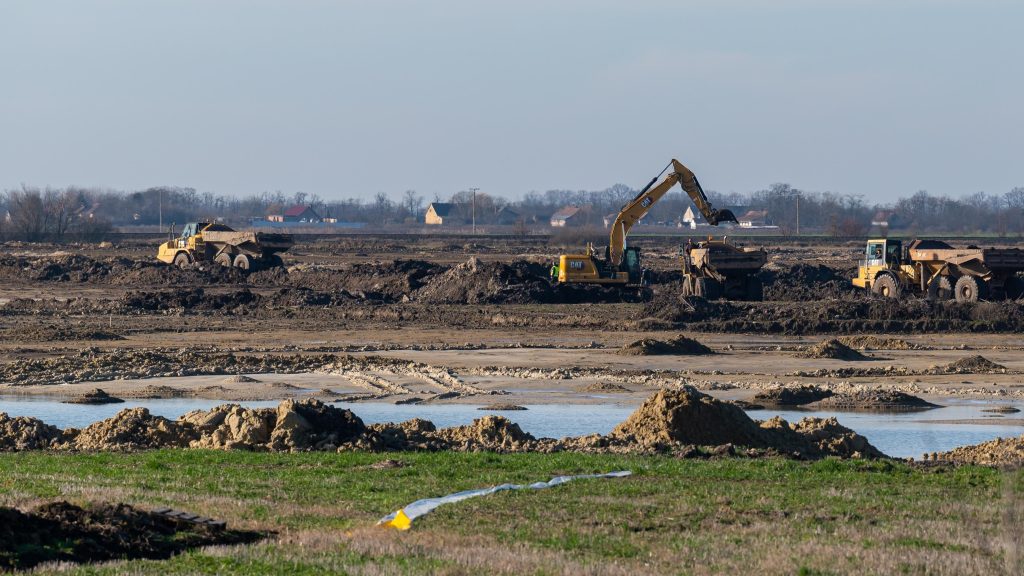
[
  {"x": 604, "y": 387},
  {"x": 686, "y": 417},
  {"x": 791, "y": 395},
  {"x": 689, "y": 417},
  {"x": 877, "y": 343},
  {"x": 61, "y": 531},
  {"x": 91, "y": 365},
  {"x": 388, "y": 281},
  {"x": 834, "y": 349},
  {"x": 490, "y": 433},
  {"x": 64, "y": 334},
  {"x": 24, "y": 433},
  {"x": 875, "y": 315},
  {"x": 874, "y": 401},
  {"x": 806, "y": 282},
  {"x": 999, "y": 452},
  {"x": 129, "y": 430},
  {"x": 295, "y": 425},
  {"x": 502, "y": 407},
  {"x": 972, "y": 365},
  {"x": 680, "y": 345},
  {"x": 96, "y": 396},
  {"x": 476, "y": 282}
]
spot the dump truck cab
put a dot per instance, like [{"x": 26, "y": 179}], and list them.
[{"x": 884, "y": 268}]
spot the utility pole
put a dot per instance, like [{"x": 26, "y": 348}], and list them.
[
  {"x": 797, "y": 195},
  {"x": 473, "y": 190}
]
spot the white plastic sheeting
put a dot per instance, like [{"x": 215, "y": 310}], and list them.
[{"x": 402, "y": 519}]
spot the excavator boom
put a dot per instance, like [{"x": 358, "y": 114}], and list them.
[{"x": 638, "y": 207}]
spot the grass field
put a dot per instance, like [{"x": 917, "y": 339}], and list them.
[{"x": 672, "y": 516}]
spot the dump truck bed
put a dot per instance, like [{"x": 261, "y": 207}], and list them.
[
  {"x": 1002, "y": 259},
  {"x": 262, "y": 242}
]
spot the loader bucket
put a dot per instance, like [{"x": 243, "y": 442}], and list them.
[{"x": 723, "y": 215}]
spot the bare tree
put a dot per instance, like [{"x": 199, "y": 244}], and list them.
[
  {"x": 60, "y": 208},
  {"x": 28, "y": 214}
]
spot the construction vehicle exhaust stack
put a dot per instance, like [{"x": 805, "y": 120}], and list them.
[
  {"x": 220, "y": 244},
  {"x": 717, "y": 269}
]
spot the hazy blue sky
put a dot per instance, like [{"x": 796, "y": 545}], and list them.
[{"x": 879, "y": 98}]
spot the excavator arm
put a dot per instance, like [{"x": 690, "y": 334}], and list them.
[{"x": 638, "y": 207}]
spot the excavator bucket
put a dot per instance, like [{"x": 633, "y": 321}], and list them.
[{"x": 723, "y": 215}]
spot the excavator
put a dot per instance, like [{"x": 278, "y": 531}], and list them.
[{"x": 621, "y": 264}]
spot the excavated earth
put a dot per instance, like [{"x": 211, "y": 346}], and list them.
[
  {"x": 63, "y": 532},
  {"x": 668, "y": 421},
  {"x": 680, "y": 345},
  {"x": 801, "y": 298}
]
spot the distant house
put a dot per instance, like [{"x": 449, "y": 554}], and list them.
[
  {"x": 568, "y": 216},
  {"x": 441, "y": 213},
  {"x": 692, "y": 218},
  {"x": 886, "y": 219},
  {"x": 507, "y": 216},
  {"x": 301, "y": 213},
  {"x": 754, "y": 219}
]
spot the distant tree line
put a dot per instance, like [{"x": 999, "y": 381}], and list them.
[{"x": 75, "y": 213}]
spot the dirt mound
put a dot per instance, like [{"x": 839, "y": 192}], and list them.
[
  {"x": 834, "y": 349},
  {"x": 96, "y": 396},
  {"x": 294, "y": 425},
  {"x": 877, "y": 343},
  {"x": 64, "y": 334},
  {"x": 24, "y": 433},
  {"x": 239, "y": 379},
  {"x": 854, "y": 315},
  {"x": 805, "y": 282},
  {"x": 689, "y": 417},
  {"x": 490, "y": 433},
  {"x": 133, "y": 429},
  {"x": 607, "y": 387},
  {"x": 873, "y": 401},
  {"x": 973, "y": 365},
  {"x": 818, "y": 438},
  {"x": 502, "y": 407},
  {"x": 476, "y": 282},
  {"x": 64, "y": 532},
  {"x": 388, "y": 281},
  {"x": 999, "y": 452},
  {"x": 157, "y": 391},
  {"x": 680, "y": 345},
  {"x": 791, "y": 395},
  {"x": 195, "y": 298}
]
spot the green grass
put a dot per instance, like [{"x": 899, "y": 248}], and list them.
[{"x": 672, "y": 516}]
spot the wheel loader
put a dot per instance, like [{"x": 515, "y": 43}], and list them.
[
  {"x": 221, "y": 244},
  {"x": 939, "y": 271},
  {"x": 715, "y": 269}
]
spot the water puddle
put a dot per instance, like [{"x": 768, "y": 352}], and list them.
[{"x": 901, "y": 434}]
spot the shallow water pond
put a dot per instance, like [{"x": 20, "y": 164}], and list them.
[{"x": 900, "y": 434}]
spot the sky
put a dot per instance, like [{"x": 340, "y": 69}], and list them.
[{"x": 350, "y": 98}]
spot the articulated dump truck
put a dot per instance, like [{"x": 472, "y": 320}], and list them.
[
  {"x": 941, "y": 272},
  {"x": 718, "y": 269},
  {"x": 220, "y": 244}
]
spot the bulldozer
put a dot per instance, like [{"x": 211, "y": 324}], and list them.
[
  {"x": 715, "y": 269},
  {"x": 621, "y": 265},
  {"x": 939, "y": 271},
  {"x": 221, "y": 244}
]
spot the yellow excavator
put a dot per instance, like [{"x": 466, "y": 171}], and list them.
[{"x": 621, "y": 264}]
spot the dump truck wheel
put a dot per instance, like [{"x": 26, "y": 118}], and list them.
[
  {"x": 886, "y": 287},
  {"x": 713, "y": 289},
  {"x": 969, "y": 289},
  {"x": 273, "y": 261},
  {"x": 755, "y": 289},
  {"x": 182, "y": 259},
  {"x": 243, "y": 262},
  {"x": 1014, "y": 287},
  {"x": 700, "y": 288},
  {"x": 940, "y": 289},
  {"x": 224, "y": 259}
]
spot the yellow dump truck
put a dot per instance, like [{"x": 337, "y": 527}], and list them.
[
  {"x": 221, "y": 244},
  {"x": 715, "y": 269},
  {"x": 940, "y": 271}
]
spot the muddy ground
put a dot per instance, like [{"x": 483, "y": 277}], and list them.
[{"x": 454, "y": 321}]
